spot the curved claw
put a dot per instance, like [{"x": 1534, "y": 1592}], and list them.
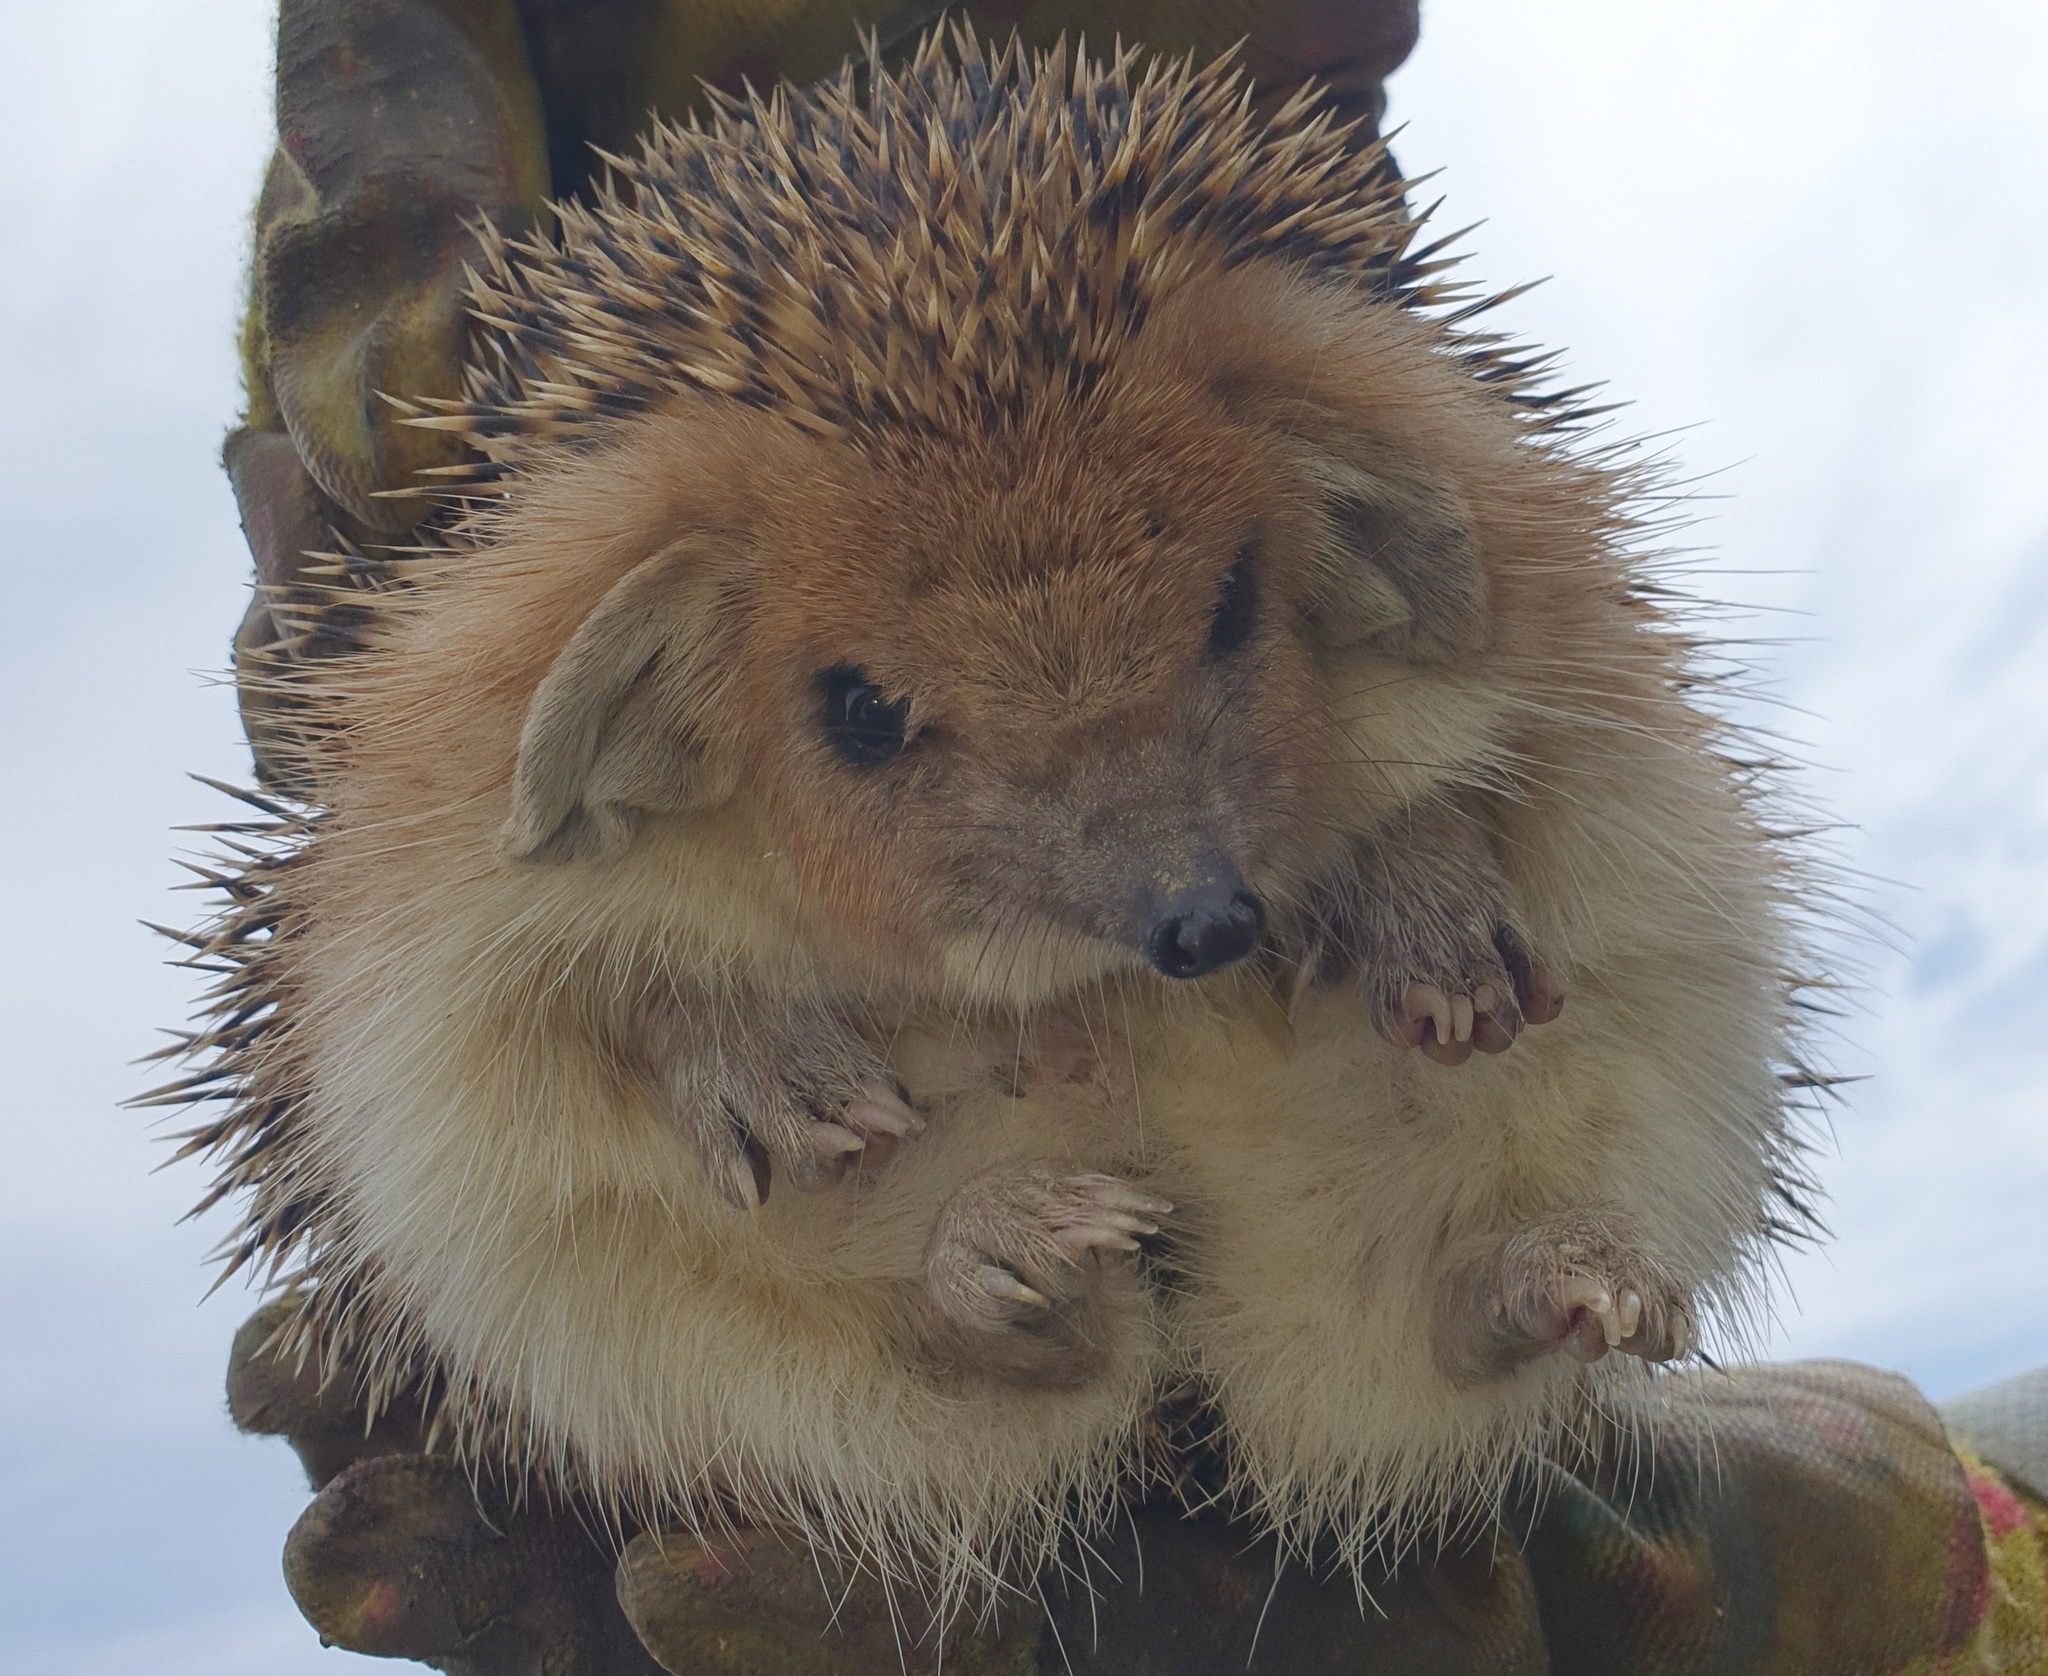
[
  {"x": 1451, "y": 1028},
  {"x": 1439, "y": 1024},
  {"x": 1108, "y": 1215},
  {"x": 999, "y": 1283},
  {"x": 834, "y": 1140},
  {"x": 1600, "y": 1320},
  {"x": 1121, "y": 1195},
  {"x": 881, "y": 1109},
  {"x": 1668, "y": 1341},
  {"x": 1592, "y": 1316},
  {"x": 863, "y": 1136},
  {"x": 742, "y": 1175},
  {"x": 1077, "y": 1241},
  {"x": 1424, "y": 1015}
]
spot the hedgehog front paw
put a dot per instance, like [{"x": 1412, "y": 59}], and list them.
[
  {"x": 1423, "y": 916},
  {"x": 1478, "y": 999},
  {"x": 1016, "y": 1264},
  {"x": 806, "y": 1102},
  {"x": 811, "y": 1134},
  {"x": 1583, "y": 1284}
]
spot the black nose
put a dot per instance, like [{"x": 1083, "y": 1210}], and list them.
[{"x": 1204, "y": 928}]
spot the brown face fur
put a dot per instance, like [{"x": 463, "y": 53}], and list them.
[
  {"x": 1114, "y": 630},
  {"x": 1078, "y": 751}
]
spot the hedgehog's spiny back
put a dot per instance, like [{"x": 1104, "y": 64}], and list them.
[{"x": 968, "y": 236}]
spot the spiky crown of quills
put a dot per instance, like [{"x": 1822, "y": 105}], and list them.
[{"x": 932, "y": 252}]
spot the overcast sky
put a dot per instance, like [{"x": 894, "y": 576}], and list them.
[{"x": 1807, "y": 238}]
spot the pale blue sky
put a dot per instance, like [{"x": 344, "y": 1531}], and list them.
[{"x": 1808, "y": 239}]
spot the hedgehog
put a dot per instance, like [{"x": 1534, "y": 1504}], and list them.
[{"x": 970, "y": 820}]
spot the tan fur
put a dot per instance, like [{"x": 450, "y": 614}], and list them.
[{"x": 595, "y": 939}]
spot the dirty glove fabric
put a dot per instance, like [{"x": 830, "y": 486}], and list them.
[{"x": 1804, "y": 1519}]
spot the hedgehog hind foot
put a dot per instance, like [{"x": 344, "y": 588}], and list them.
[
  {"x": 1016, "y": 1267},
  {"x": 1583, "y": 1285}
]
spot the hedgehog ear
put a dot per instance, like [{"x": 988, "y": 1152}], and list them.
[
  {"x": 613, "y": 730},
  {"x": 1396, "y": 561}
]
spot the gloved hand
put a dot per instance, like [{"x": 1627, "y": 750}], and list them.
[{"x": 1811, "y": 1518}]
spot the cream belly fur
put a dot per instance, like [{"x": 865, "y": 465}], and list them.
[
  {"x": 560, "y": 1248},
  {"x": 600, "y": 1312}
]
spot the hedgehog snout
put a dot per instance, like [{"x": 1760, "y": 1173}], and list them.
[{"x": 1202, "y": 926}]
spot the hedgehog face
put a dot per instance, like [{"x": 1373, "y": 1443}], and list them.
[
  {"x": 1098, "y": 689},
  {"x": 1066, "y": 601},
  {"x": 1044, "y": 696},
  {"x": 1061, "y": 701}
]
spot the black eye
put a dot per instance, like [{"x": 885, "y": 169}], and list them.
[
  {"x": 1235, "y": 602},
  {"x": 860, "y": 724}
]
